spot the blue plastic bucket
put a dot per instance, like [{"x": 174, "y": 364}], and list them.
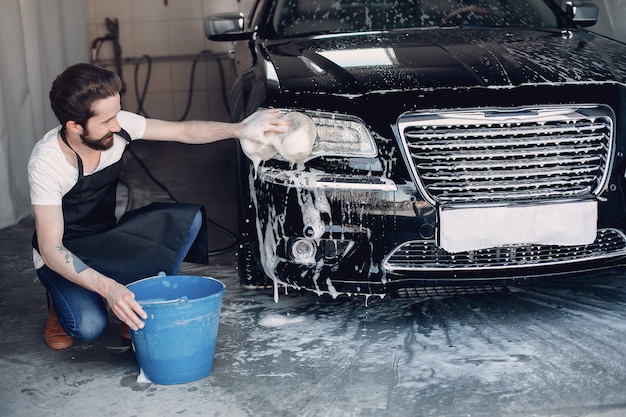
[{"x": 177, "y": 343}]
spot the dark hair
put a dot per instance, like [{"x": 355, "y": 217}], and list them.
[{"x": 74, "y": 91}]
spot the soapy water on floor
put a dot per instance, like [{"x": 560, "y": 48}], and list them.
[{"x": 522, "y": 350}]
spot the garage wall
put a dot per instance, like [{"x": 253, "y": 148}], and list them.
[{"x": 171, "y": 33}]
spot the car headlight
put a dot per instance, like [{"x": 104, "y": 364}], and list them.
[{"x": 341, "y": 135}]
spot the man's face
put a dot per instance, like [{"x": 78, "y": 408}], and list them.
[
  {"x": 101, "y": 144},
  {"x": 100, "y": 128}
]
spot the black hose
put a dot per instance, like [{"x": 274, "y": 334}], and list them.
[
  {"x": 210, "y": 222},
  {"x": 129, "y": 199},
  {"x": 141, "y": 96}
]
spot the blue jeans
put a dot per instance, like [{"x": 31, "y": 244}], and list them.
[{"x": 83, "y": 313}]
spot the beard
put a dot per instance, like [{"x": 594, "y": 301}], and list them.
[{"x": 102, "y": 144}]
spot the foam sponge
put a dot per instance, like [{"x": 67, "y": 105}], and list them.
[{"x": 294, "y": 145}]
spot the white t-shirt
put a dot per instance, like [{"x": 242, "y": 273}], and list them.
[{"x": 51, "y": 176}]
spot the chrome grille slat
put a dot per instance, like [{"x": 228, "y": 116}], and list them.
[
  {"x": 527, "y": 142},
  {"x": 427, "y": 256},
  {"x": 480, "y": 186},
  {"x": 503, "y": 175},
  {"x": 527, "y": 195},
  {"x": 517, "y": 130},
  {"x": 544, "y": 152},
  {"x": 498, "y": 155},
  {"x": 499, "y": 165}
]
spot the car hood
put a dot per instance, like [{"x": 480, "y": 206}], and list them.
[{"x": 442, "y": 58}]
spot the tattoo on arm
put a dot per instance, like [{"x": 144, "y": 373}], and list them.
[{"x": 79, "y": 266}]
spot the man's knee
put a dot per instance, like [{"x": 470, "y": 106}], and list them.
[{"x": 90, "y": 325}]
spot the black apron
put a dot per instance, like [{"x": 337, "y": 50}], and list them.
[{"x": 143, "y": 243}]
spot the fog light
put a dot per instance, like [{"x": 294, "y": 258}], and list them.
[{"x": 303, "y": 250}]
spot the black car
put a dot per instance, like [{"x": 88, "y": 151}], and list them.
[{"x": 457, "y": 142}]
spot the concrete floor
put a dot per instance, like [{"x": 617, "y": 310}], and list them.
[{"x": 554, "y": 350}]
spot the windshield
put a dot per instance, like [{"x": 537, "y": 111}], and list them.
[{"x": 299, "y": 17}]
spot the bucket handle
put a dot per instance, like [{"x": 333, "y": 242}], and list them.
[{"x": 184, "y": 298}]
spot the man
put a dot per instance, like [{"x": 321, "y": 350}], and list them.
[{"x": 83, "y": 255}]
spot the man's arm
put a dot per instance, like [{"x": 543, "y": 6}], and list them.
[
  {"x": 49, "y": 226},
  {"x": 256, "y": 127}
]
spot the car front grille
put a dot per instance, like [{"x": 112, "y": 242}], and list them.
[
  {"x": 508, "y": 155},
  {"x": 425, "y": 255}
]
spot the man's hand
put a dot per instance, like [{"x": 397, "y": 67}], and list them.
[
  {"x": 263, "y": 126},
  {"x": 122, "y": 302}
]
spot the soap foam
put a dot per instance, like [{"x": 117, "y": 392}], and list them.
[
  {"x": 294, "y": 145},
  {"x": 297, "y": 142},
  {"x": 142, "y": 378}
]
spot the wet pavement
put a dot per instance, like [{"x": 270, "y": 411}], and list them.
[{"x": 557, "y": 349}]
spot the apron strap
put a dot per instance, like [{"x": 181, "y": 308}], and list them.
[
  {"x": 78, "y": 160},
  {"x": 125, "y": 135}
]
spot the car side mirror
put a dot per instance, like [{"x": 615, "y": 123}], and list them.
[
  {"x": 582, "y": 13},
  {"x": 225, "y": 27}
]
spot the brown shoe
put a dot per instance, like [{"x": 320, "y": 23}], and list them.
[
  {"x": 55, "y": 336},
  {"x": 125, "y": 331}
]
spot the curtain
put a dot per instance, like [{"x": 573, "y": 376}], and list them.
[{"x": 38, "y": 39}]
